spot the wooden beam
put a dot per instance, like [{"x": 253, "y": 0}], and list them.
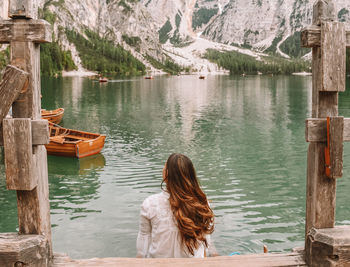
[
  {"x": 21, "y": 9},
  {"x": 323, "y": 10},
  {"x": 37, "y": 31},
  {"x": 311, "y": 37},
  {"x": 13, "y": 83},
  {"x": 33, "y": 206},
  {"x": 328, "y": 247},
  {"x": 316, "y": 130},
  {"x": 40, "y": 133},
  {"x": 335, "y": 127},
  {"x": 18, "y": 154},
  {"x": 23, "y": 250},
  {"x": 248, "y": 260},
  {"x": 333, "y": 58},
  {"x": 321, "y": 191}
]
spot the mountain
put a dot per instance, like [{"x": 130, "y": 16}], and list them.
[
  {"x": 261, "y": 24},
  {"x": 161, "y": 32}
]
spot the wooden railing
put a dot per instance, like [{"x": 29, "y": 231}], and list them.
[{"x": 26, "y": 163}]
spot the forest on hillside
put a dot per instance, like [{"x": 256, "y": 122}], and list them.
[{"x": 238, "y": 63}]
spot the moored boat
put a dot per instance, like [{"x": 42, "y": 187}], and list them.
[
  {"x": 103, "y": 80},
  {"x": 201, "y": 77},
  {"x": 54, "y": 116},
  {"x": 148, "y": 77},
  {"x": 73, "y": 143}
]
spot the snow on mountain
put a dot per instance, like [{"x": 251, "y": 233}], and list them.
[
  {"x": 260, "y": 23},
  {"x": 179, "y": 27}
]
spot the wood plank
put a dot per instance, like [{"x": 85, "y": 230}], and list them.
[
  {"x": 321, "y": 191},
  {"x": 13, "y": 83},
  {"x": 323, "y": 10},
  {"x": 33, "y": 206},
  {"x": 21, "y": 9},
  {"x": 316, "y": 130},
  {"x": 40, "y": 132},
  {"x": 252, "y": 260},
  {"x": 329, "y": 247},
  {"x": 333, "y": 58},
  {"x": 38, "y": 31},
  {"x": 30, "y": 250},
  {"x": 18, "y": 154},
  {"x": 311, "y": 36},
  {"x": 336, "y": 130}
]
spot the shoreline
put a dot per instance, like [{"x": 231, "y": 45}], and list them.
[
  {"x": 302, "y": 73},
  {"x": 78, "y": 73}
]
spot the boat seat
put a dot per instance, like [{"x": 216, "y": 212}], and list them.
[{"x": 78, "y": 137}]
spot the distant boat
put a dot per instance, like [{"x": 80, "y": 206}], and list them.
[
  {"x": 302, "y": 73},
  {"x": 103, "y": 80},
  {"x": 148, "y": 77},
  {"x": 201, "y": 77},
  {"x": 54, "y": 116},
  {"x": 73, "y": 143}
]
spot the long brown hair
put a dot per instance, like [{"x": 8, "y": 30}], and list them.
[{"x": 189, "y": 204}]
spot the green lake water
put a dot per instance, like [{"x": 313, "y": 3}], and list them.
[{"x": 245, "y": 136}]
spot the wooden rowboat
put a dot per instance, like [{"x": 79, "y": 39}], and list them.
[
  {"x": 54, "y": 116},
  {"x": 103, "y": 80},
  {"x": 201, "y": 77},
  {"x": 73, "y": 143}
]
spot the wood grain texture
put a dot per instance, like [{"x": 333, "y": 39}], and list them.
[
  {"x": 321, "y": 191},
  {"x": 333, "y": 58},
  {"x": 37, "y": 31},
  {"x": 257, "y": 260},
  {"x": 311, "y": 36},
  {"x": 323, "y": 10},
  {"x": 13, "y": 83},
  {"x": 336, "y": 131},
  {"x": 329, "y": 247},
  {"x": 21, "y": 9},
  {"x": 31, "y": 250},
  {"x": 54, "y": 116},
  {"x": 18, "y": 154},
  {"x": 40, "y": 132},
  {"x": 316, "y": 130},
  {"x": 33, "y": 206}
]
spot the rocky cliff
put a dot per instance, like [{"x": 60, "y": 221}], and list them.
[
  {"x": 167, "y": 28},
  {"x": 260, "y": 23}
]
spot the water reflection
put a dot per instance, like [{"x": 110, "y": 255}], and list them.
[
  {"x": 244, "y": 135},
  {"x": 73, "y": 184}
]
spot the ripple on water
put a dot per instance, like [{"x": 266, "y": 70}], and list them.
[{"x": 245, "y": 137}]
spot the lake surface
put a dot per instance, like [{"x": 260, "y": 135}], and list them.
[{"x": 245, "y": 136}]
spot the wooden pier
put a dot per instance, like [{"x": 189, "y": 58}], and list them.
[{"x": 25, "y": 135}]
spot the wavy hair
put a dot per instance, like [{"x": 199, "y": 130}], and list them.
[{"x": 189, "y": 204}]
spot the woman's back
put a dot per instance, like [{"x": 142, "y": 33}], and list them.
[
  {"x": 178, "y": 222},
  {"x": 159, "y": 236}
]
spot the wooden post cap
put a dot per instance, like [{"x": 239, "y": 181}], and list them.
[
  {"x": 323, "y": 10},
  {"x": 328, "y": 247},
  {"x": 28, "y": 250},
  {"x": 21, "y": 9}
]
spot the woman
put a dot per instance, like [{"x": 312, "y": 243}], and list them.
[{"x": 177, "y": 222}]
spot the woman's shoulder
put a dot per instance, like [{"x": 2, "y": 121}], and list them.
[{"x": 156, "y": 198}]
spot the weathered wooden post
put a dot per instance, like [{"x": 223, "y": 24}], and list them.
[
  {"x": 25, "y": 135},
  {"x": 324, "y": 246}
]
